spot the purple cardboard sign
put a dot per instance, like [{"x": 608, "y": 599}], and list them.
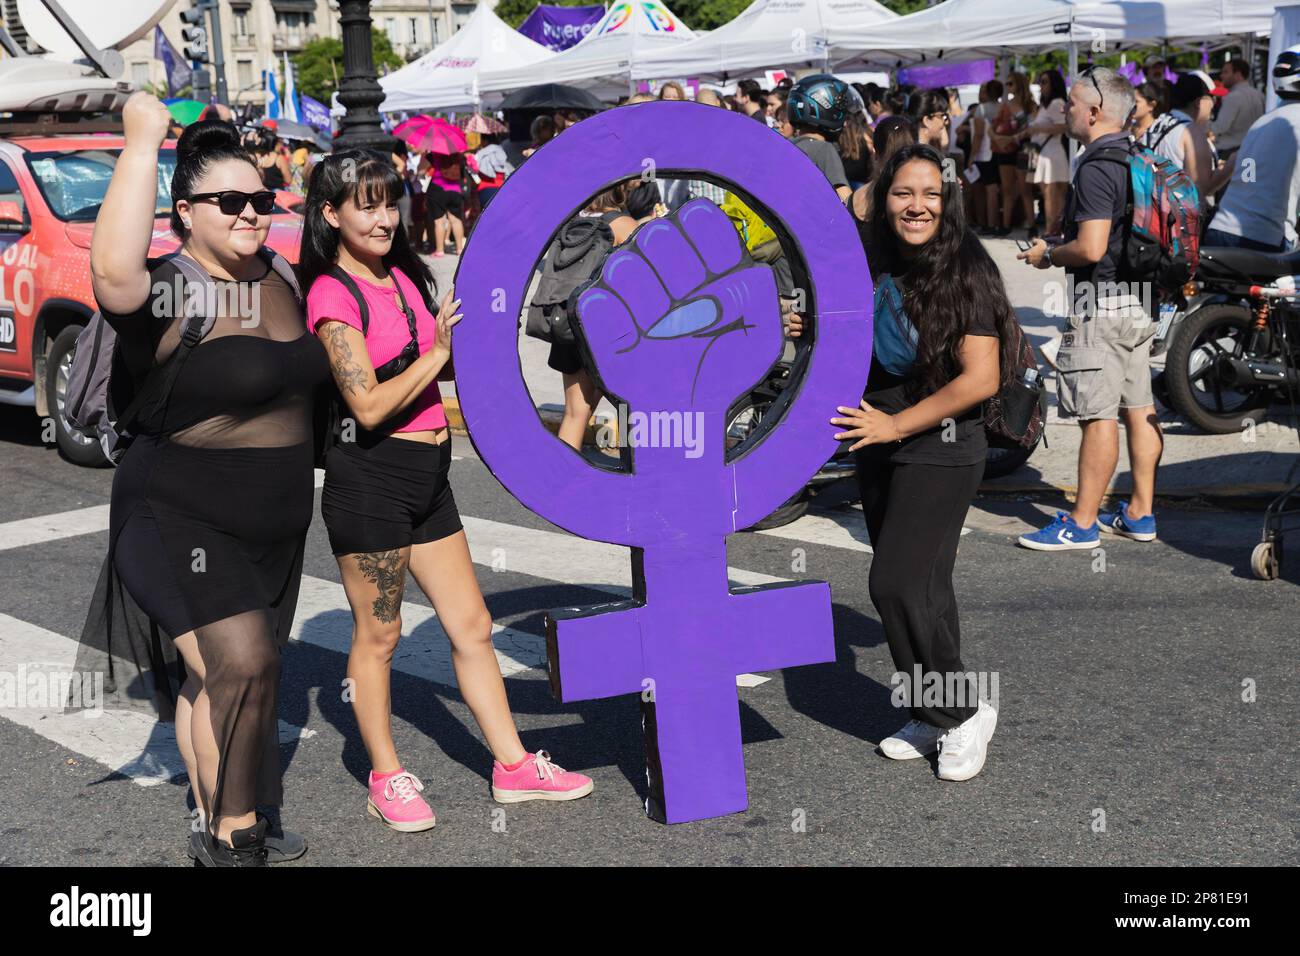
[{"x": 678, "y": 325}]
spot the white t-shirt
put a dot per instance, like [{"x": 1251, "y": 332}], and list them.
[
  {"x": 982, "y": 152},
  {"x": 1165, "y": 137},
  {"x": 1053, "y": 114},
  {"x": 1263, "y": 198}
]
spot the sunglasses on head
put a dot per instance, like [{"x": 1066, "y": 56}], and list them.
[
  {"x": 1101, "y": 100},
  {"x": 232, "y": 201}
]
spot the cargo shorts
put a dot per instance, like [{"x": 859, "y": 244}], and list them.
[{"x": 1104, "y": 361}]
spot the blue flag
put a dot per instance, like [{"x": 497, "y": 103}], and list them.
[
  {"x": 272, "y": 95},
  {"x": 179, "y": 73}
]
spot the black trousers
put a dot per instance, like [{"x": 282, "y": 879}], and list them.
[{"x": 914, "y": 515}]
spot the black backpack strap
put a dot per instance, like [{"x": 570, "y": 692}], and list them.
[
  {"x": 1177, "y": 124},
  {"x": 1121, "y": 155},
  {"x": 406, "y": 309},
  {"x": 351, "y": 285}
]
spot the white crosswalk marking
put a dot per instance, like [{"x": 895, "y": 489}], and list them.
[
  {"x": 324, "y": 620},
  {"x": 836, "y": 531},
  {"x": 564, "y": 557},
  {"x": 36, "y": 665},
  {"x": 135, "y": 745},
  {"x": 65, "y": 524}
]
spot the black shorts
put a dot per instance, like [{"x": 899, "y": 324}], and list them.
[
  {"x": 565, "y": 358},
  {"x": 385, "y": 493},
  {"x": 439, "y": 202}
]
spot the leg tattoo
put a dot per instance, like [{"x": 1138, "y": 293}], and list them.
[{"x": 387, "y": 571}]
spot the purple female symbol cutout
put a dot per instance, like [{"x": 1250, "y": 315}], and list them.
[{"x": 679, "y": 324}]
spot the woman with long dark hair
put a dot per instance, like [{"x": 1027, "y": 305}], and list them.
[
  {"x": 943, "y": 343},
  {"x": 387, "y": 503},
  {"x": 212, "y": 501}
]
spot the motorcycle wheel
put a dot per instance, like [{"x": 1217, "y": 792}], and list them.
[
  {"x": 791, "y": 511},
  {"x": 744, "y": 420},
  {"x": 1195, "y": 390}
]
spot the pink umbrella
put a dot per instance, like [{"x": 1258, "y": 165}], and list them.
[{"x": 430, "y": 134}]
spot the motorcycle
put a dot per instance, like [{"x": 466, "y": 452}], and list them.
[{"x": 1234, "y": 348}]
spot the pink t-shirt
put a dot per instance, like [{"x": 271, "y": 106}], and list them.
[{"x": 388, "y": 332}]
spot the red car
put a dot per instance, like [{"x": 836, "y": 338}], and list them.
[{"x": 51, "y": 188}]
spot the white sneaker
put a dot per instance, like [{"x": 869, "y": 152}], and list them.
[
  {"x": 916, "y": 739},
  {"x": 963, "y": 749}
]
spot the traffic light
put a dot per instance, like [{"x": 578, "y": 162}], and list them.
[{"x": 194, "y": 34}]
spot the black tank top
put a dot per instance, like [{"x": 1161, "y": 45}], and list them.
[{"x": 253, "y": 380}]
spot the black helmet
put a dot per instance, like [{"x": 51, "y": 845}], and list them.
[
  {"x": 1286, "y": 72},
  {"x": 822, "y": 102}
]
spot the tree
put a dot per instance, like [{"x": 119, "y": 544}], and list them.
[{"x": 321, "y": 60}]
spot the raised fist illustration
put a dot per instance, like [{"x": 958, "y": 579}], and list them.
[{"x": 681, "y": 318}]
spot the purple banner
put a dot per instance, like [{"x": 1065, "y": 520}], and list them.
[
  {"x": 930, "y": 76},
  {"x": 178, "y": 71},
  {"x": 315, "y": 113},
  {"x": 558, "y": 28}
]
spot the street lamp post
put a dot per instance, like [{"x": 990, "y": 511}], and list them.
[{"x": 359, "y": 92}]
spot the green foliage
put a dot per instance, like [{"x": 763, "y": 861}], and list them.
[
  {"x": 315, "y": 67},
  {"x": 904, "y": 7}
]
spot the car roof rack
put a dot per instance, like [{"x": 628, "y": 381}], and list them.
[{"x": 51, "y": 124}]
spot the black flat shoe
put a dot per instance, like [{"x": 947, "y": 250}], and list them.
[
  {"x": 281, "y": 845},
  {"x": 247, "y": 847}
]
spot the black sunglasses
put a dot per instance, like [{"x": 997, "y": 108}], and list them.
[
  {"x": 232, "y": 201},
  {"x": 1101, "y": 100}
]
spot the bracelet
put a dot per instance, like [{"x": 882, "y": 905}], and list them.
[{"x": 898, "y": 432}]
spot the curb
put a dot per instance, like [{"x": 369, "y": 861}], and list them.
[
  {"x": 1240, "y": 493},
  {"x": 551, "y": 418}
]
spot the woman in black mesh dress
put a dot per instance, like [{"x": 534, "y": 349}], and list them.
[{"x": 212, "y": 501}]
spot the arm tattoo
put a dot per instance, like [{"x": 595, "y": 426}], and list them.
[
  {"x": 349, "y": 376},
  {"x": 387, "y": 571}
]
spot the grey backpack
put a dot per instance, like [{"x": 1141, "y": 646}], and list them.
[
  {"x": 102, "y": 400},
  {"x": 574, "y": 257}
]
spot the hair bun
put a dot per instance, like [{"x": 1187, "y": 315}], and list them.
[{"x": 206, "y": 136}]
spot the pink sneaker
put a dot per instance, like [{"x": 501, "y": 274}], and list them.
[
  {"x": 438, "y": 254},
  {"x": 537, "y": 779},
  {"x": 397, "y": 802}
]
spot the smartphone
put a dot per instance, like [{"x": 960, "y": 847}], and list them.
[{"x": 1023, "y": 245}]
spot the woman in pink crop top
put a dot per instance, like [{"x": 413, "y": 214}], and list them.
[{"x": 387, "y": 502}]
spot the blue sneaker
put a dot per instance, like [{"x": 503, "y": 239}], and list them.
[
  {"x": 1062, "y": 535},
  {"x": 1118, "y": 522}
]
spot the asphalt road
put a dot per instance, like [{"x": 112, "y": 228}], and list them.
[{"x": 1120, "y": 693}]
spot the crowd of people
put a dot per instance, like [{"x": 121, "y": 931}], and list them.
[{"x": 222, "y": 463}]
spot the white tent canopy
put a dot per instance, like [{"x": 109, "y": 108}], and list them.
[
  {"x": 767, "y": 35},
  {"x": 603, "y": 60},
  {"x": 971, "y": 29},
  {"x": 449, "y": 75}
]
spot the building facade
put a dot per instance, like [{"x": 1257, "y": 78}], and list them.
[{"x": 257, "y": 34}]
